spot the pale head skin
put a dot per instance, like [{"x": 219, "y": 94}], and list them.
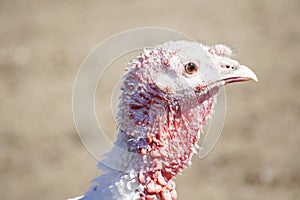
[{"x": 168, "y": 94}]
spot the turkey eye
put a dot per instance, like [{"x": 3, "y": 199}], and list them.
[{"x": 191, "y": 68}]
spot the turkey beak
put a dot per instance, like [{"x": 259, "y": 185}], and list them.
[{"x": 238, "y": 74}]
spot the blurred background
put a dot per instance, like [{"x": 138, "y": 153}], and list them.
[{"x": 42, "y": 44}]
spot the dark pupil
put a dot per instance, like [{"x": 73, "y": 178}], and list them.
[{"x": 191, "y": 66}]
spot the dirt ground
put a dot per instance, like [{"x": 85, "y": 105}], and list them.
[{"x": 42, "y": 44}]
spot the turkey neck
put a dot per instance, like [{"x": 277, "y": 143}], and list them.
[{"x": 161, "y": 127}]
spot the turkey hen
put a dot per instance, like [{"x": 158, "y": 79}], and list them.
[{"x": 168, "y": 93}]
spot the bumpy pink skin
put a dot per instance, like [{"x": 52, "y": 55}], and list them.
[
  {"x": 220, "y": 50},
  {"x": 160, "y": 129}
]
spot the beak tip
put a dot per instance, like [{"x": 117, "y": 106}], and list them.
[
  {"x": 249, "y": 73},
  {"x": 255, "y": 78}
]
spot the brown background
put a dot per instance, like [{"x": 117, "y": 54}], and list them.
[{"x": 42, "y": 44}]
